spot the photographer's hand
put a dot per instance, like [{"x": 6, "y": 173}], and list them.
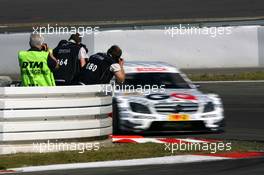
[{"x": 121, "y": 62}]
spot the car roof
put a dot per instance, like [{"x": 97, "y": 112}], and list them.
[{"x": 149, "y": 66}]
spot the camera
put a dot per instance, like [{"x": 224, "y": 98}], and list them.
[{"x": 44, "y": 47}]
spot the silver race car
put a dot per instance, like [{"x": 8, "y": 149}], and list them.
[{"x": 157, "y": 97}]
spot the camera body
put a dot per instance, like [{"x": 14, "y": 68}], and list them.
[{"x": 44, "y": 47}]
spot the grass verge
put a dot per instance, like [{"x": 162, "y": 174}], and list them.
[{"x": 113, "y": 152}]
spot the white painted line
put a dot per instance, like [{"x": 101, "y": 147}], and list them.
[
  {"x": 3, "y": 26},
  {"x": 120, "y": 163},
  {"x": 242, "y": 81},
  {"x": 193, "y": 140}
]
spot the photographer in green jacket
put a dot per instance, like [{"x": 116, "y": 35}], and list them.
[{"x": 37, "y": 63}]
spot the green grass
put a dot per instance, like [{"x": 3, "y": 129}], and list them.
[
  {"x": 113, "y": 152},
  {"x": 259, "y": 75}
]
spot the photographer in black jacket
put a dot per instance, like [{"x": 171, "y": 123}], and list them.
[
  {"x": 102, "y": 67},
  {"x": 71, "y": 56}
]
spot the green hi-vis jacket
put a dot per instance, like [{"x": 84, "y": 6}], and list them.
[{"x": 34, "y": 68}]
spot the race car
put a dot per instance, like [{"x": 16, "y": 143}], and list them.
[{"x": 157, "y": 97}]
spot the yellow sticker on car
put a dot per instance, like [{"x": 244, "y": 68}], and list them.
[{"x": 179, "y": 117}]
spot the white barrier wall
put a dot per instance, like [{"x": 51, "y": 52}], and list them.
[
  {"x": 238, "y": 47},
  {"x": 30, "y": 114}
]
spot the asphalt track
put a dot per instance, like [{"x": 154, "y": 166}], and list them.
[
  {"x": 244, "y": 110},
  {"x": 225, "y": 167},
  {"x": 30, "y": 11}
]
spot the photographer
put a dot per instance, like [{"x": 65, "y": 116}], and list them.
[
  {"x": 37, "y": 63},
  {"x": 102, "y": 67},
  {"x": 71, "y": 55}
]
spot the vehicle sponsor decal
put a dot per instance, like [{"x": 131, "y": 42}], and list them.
[
  {"x": 157, "y": 96},
  {"x": 175, "y": 96},
  {"x": 183, "y": 96},
  {"x": 151, "y": 69},
  {"x": 178, "y": 117}
]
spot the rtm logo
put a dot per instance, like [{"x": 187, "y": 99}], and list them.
[{"x": 32, "y": 64}]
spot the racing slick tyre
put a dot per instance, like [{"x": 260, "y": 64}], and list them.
[
  {"x": 116, "y": 128},
  {"x": 222, "y": 125}
]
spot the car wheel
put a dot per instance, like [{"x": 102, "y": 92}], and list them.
[
  {"x": 221, "y": 128},
  {"x": 116, "y": 128}
]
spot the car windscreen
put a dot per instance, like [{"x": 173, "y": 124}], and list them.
[{"x": 166, "y": 80}]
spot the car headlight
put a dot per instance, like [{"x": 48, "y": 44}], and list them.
[
  {"x": 139, "y": 108},
  {"x": 209, "y": 107}
]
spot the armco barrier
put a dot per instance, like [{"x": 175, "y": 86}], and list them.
[{"x": 29, "y": 114}]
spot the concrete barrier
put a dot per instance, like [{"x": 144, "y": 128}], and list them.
[
  {"x": 240, "y": 46},
  {"x": 237, "y": 47},
  {"x": 30, "y": 114}
]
